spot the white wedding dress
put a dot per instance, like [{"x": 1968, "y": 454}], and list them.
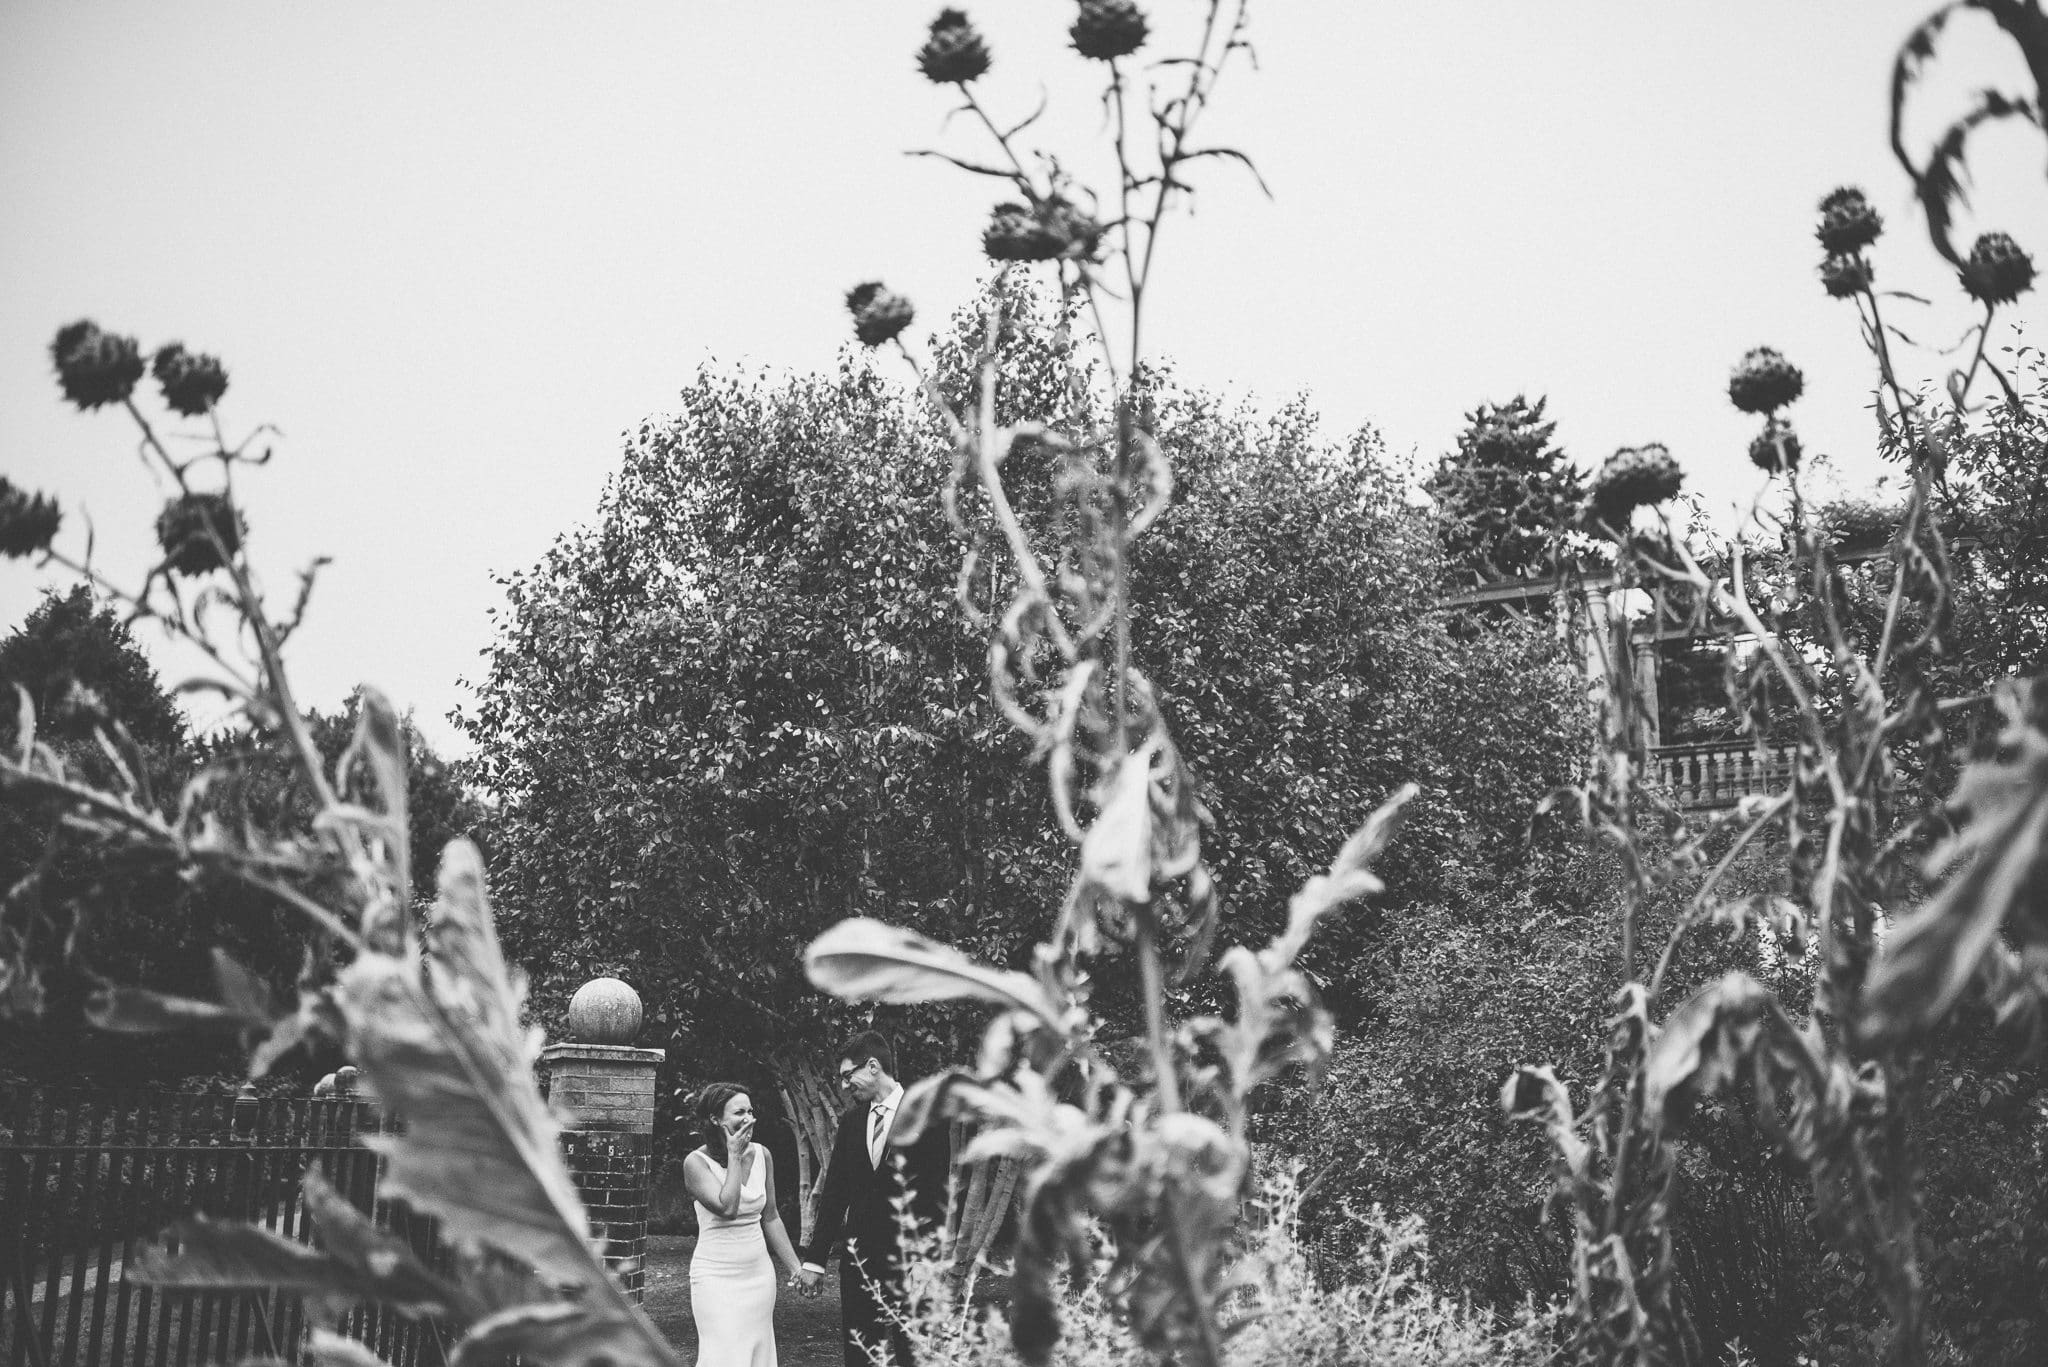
[{"x": 732, "y": 1278}]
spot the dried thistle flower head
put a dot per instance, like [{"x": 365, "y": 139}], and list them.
[
  {"x": 1633, "y": 477},
  {"x": 28, "y": 522},
  {"x": 1846, "y": 275},
  {"x": 181, "y": 529},
  {"x": 95, "y": 367},
  {"x": 1107, "y": 29},
  {"x": 1998, "y": 271},
  {"x": 879, "y": 314},
  {"x": 1046, "y": 231},
  {"x": 192, "y": 384},
  {"x": 1775, "y": 449},
  {"x": 954, "y": 54},
  {"x": 1764, "y": 382},
  {"x": 1847, "y": 222},
  {"x": 1014, "y": 233}
]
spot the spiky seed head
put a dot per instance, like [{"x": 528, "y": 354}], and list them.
[
  {"x": 1764, "y": 382},
  {"x": 1633, "y": 477},
  {"x": 181, "y": 529},
  {"x": 28, "y": 522},
  {"x": 1847, "y": 222},
  {"x": 1079, "y": 234},
  {"x": 879, "y": 314},
  {"x": 192, "y": 384},
  {"x": 954, "y": 53},
  {"x": 1846, "y": 275},
  {"x": 1998, "y": 271},
  {"x": 1107, "y": 29},
  {"x": 95, "y": 367},
  {"x": 1016, "y": 233},
  {"x": 1775, "y": 449},
  {"x": 1047, "y": 231}
]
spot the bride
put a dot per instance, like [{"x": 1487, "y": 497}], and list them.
[{"x": 732, "y": 1282}]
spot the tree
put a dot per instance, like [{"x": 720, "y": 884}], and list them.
[
  {"x": 1999, "y": 483},
  {"x": 79, "y": 913},
  {"x": 1289, "y": 603},
  {"x": 82, "y": 914},
  {"x": 743, "y": 704},
  {"x": 440, "y": 804},
  {"x": 1505, "y": 493},
  {"x": 69, "y": 639}
]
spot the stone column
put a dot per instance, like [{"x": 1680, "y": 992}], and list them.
[
  {"x": 1647, "y": 663},
  {"x": 606, "y": 1088}
]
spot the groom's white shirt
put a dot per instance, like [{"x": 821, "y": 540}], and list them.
[
  {"x": 878, "y": 1135},
  {"x": 878, "y": 1139}
]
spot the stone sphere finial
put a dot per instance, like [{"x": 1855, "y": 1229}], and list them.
[{"x": 604, "y": 1011}]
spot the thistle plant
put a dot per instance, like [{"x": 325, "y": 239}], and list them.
[
  {"x": 420, "y": 1000},
  {"x": 1159, "y": 1160},
  {"x": 1837, "y": 1085}
]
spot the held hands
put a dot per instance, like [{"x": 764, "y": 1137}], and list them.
[{"x": 805, "y": 1282}]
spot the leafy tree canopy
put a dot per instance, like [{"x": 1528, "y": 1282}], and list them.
[
  {"x": 69, "y": 639},
  {"x": 80, "y": 913},
  {"x": 744, "y": 703},
  {"x": 1505, "y": 492}
]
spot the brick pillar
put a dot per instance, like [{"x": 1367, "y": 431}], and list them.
[
  {"x": 605, "y": 1087},
  {"x": 608, "y": 1091}
]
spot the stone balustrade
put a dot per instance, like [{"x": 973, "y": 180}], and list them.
[{"x": 1723, "y": 773}]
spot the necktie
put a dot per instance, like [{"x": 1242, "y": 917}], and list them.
[{"x": 878, "y": 1116}]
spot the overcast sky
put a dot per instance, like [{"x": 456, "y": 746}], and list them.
[{"x": 454, "y": 252}]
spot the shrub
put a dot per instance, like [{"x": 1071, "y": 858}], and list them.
[{"x": 1385, "y": 1312}]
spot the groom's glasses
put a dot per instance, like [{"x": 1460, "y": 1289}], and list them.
[{"x": 847, "y": 1075}]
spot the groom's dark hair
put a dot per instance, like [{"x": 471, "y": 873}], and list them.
[{"x": 869, "y": 1044}]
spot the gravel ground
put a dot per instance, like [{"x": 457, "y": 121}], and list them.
[{"x": 806, "y": 1331}]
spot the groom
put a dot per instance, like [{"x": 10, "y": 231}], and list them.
[{"x": 858, "y": 1200}]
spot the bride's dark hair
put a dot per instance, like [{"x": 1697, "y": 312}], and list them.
[{"x": 711, "y": 1103}]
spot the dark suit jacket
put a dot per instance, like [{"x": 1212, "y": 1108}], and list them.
[{"x": 858, "y": 1202}]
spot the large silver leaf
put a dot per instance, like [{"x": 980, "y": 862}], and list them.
[
  {"x": 440, "y": 1043},
  {"x": 1932, "y": 955},
  {"x": 867, "y": 960},
  {"x": 1350, "y": 877},
  {"x": 325, "y": 1348},
  {"x": 1997, "y": 867},
  {"x": 1116, "y": 853},
  {"x": 244, "y": 1005},
  {"x": 467, "y": 966},
  {"x": 389, "y": 1271},
  {"x": 215, "y": 1255},
  {"x": 1704, "y": 1041},
  {"x": 379, "y": 843},
  {"x": 140, "y": 1011},
  {"x": 481, "y": 1149}
]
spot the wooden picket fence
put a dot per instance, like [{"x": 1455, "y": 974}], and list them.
[{"x": 89, "y": 1179}]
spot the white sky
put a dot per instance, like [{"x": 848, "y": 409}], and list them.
[{"x": 454, "y": 252}]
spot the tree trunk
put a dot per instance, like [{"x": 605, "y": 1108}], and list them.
[
  {"x": 989, "y": 1195},
  {"x": 808, "y": 1097}
]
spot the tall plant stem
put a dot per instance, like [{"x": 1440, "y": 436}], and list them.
[
  {"x": 294, "y": 726},
  {"x": 1120, "y": 682},
  {"x": 1153, "y": 983}
]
